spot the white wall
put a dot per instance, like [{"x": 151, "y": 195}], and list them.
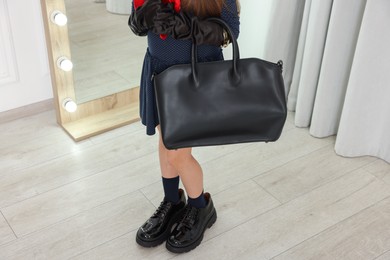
[
  {"x": 255, "y": 19},
  {"x": 24, "y": 69}
]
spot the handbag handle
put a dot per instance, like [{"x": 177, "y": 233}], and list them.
[{"x": 236, "y": 51}]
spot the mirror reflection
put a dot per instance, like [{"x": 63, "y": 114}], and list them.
[{"x": 107, "y": 57}]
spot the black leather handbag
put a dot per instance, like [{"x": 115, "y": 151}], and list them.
[{"x": 221, "y": 102}]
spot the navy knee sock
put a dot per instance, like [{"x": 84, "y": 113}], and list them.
[
  {"x": 199, "y": 202},
  {"x": 171, "y": 189}
]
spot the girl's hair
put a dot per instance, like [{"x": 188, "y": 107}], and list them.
[{"x": 205, "y": 8}]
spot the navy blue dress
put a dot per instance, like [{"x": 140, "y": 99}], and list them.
[{"x": 162, "y": 54}]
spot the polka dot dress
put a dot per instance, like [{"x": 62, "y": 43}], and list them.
[{"x": 162, "y": 54}]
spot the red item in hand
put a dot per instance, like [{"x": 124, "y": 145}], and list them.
[
  {"x": 176, "y": 4},
  {"x": 138, "y": 3}
]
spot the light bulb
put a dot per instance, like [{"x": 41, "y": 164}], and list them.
[
  {"x": 65, "y": 64},
  {"x": 59, "y": 18},
  {"x": 69, "y": 105}
]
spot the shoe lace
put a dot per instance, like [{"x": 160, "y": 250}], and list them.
[
  {"x": 163, "y": 209},
  {"x": 189, "y": 217}
]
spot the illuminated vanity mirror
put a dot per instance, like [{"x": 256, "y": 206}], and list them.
[
  {"x": 107, "y": 58},
  {"x": 95, "y": 64}
]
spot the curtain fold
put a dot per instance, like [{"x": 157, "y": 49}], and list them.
[
  {"x": 317, "y": 27},
  {"x": 284, "y": 26},
  {"x": 365, "y": 121},
  {"x": 297, "y": 69},
  {"x": 338, "y": 58}
]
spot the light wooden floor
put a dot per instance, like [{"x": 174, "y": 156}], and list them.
[{"x": 293, "y": 199}]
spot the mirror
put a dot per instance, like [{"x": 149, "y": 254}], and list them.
[
  {"x": 107, "y": 57},
  {"x": 114, "y": 102}
]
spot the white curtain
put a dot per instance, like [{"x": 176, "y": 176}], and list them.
[{"x": 337, "y": 56}]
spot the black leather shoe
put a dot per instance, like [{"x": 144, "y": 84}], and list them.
[
  {"x": 158, "y": 227},
  {"x": 189, "y": 232}
]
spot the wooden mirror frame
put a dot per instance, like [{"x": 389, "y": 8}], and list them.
[{"x": 93, "y": 117}]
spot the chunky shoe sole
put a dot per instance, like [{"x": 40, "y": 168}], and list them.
[
  {"x": 164, "y": 236},
  {"x": 197, "y": 242}
]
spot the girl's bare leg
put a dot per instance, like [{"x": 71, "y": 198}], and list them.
[
  {"x": 182, "y": 162},
  {"x": 167, "y": 170}
]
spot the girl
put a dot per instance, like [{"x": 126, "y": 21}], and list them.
[{"x": 170, "y": 29}]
